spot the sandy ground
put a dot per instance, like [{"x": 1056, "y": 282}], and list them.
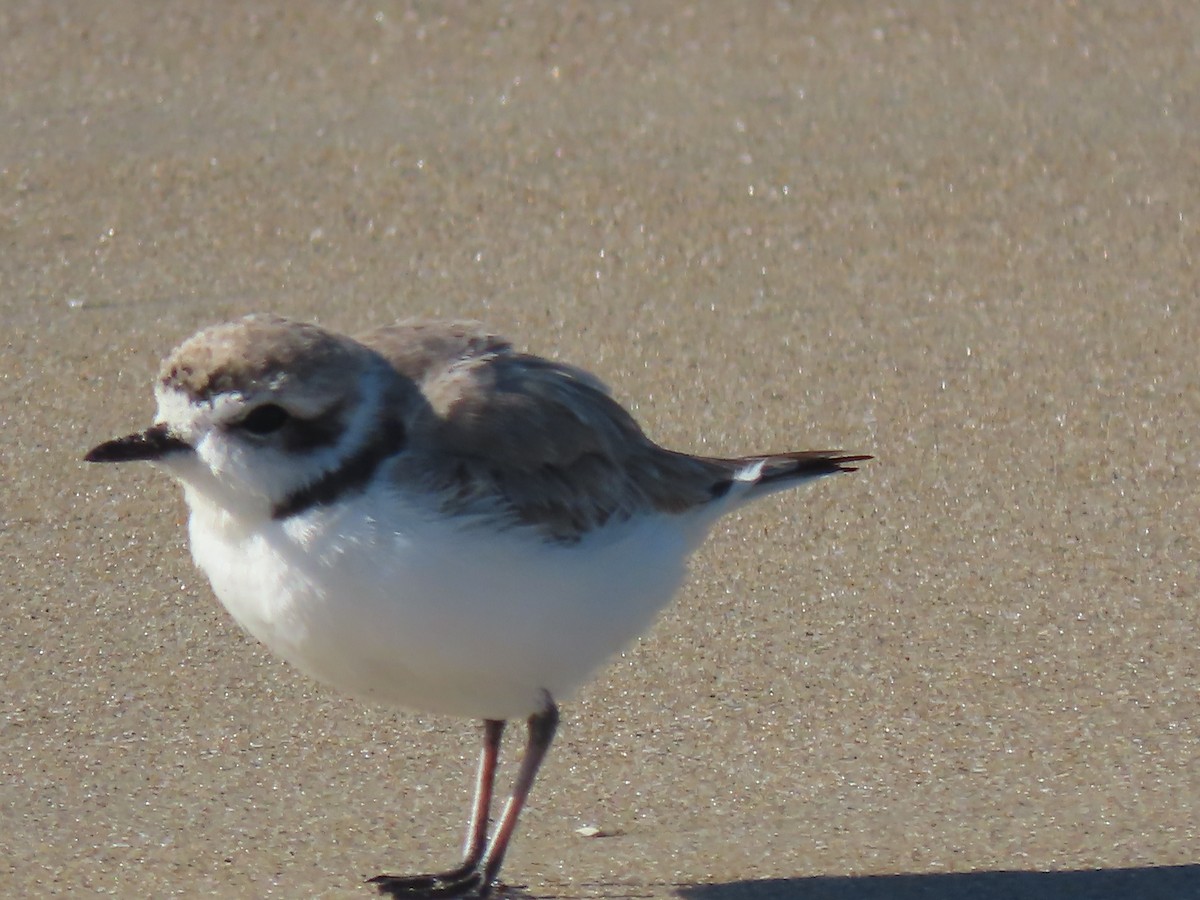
[{"x": 959, "y": 236}]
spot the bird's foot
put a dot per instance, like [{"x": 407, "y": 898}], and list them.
[{"x": 461, "y": 882}]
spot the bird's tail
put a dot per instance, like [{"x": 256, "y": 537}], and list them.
[{"x": 757, "y": 476}]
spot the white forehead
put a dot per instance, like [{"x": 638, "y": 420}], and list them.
[{"x": 189, "y": 416}]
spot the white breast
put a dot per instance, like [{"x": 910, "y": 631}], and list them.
[{"x": 389, "y": 603}]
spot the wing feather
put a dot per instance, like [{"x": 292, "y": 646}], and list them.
[{"x": 516, "y": 435}]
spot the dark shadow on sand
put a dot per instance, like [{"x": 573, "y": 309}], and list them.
[{"x": 1145, "y": 883}]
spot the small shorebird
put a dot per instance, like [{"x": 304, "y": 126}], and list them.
[{"x": 428, "y": 518}]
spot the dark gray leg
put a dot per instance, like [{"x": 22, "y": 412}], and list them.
[
  {"x": 541, "y": 732},
  {"x": 467, "y": 876},
  {"x": 482, "y": 860}
]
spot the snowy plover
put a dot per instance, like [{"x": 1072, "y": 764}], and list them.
[{"x": 428, "y": 518}]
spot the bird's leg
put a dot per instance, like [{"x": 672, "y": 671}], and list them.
[
  {"x": 467, "y": 876},
  {"x": 481, "y": 814},
  {"x": 542, "y": 726},
  {"x": 477, "y": 875}
]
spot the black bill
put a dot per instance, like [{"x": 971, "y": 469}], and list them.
[{"x": 153, "y": 443}]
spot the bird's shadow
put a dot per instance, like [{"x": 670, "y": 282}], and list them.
[{"x": 1144, "y": 883}]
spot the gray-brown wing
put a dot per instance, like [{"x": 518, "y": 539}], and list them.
[
  {"x": 533, "y": 439},
  {"x": 419, "y": 349}
]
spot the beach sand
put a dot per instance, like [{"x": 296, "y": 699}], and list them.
[{"x": 959, "y": 236}]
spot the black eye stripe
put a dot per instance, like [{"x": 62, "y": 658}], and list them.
[
  {"x": 310, "y": 434},
  {"x": 265, "y": 419},
  {"x": 295, "y": 434}
]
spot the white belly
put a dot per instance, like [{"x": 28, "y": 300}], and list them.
[{"x": 466, "y": 621}]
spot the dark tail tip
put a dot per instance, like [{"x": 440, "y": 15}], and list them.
[{"x": 809, "y": 464}]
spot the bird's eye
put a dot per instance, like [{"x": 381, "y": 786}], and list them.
[{"x": 264, "y": 419}]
